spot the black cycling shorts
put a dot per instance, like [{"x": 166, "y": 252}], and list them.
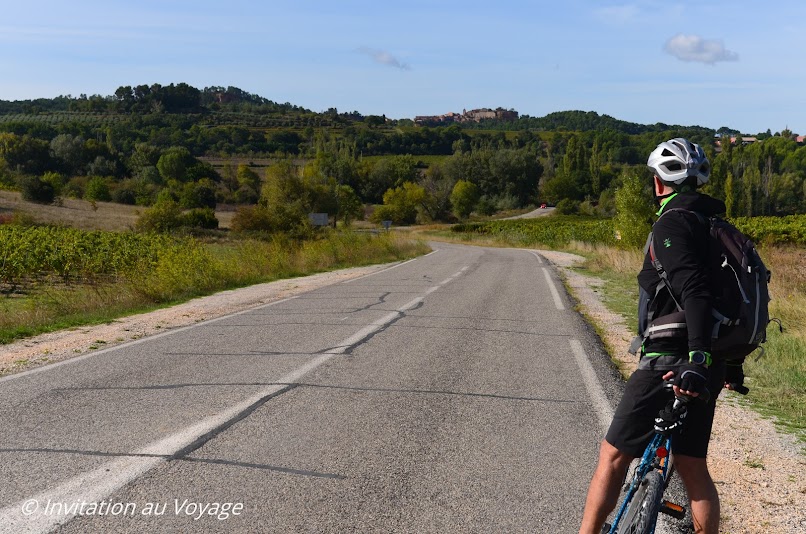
[{"x": 633, "y": 424}]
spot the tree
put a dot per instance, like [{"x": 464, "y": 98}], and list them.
[
  {"x": 633, "y": 211},
  {"x": 374, "y": 120},
  {"x": 596, "y": 162},
  {"x": 730, "y": 196},
  {"x": 174, "y": 162},
  {"x": 199, "y": 194},
  {"x": 68, "y": 150},
  {"x": 388, "y": 173},
  {"x": 144, "y": 155},
  {"x": 438, "y": 187},
  {"x": 24, "y": 153},
  {"x": 464, "y": 197},
  {"x": 350, "y": 206},
  {"x": 400, "y": 204}
]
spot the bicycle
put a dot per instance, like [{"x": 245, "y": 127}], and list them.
[{"x": 638, "y": 513}]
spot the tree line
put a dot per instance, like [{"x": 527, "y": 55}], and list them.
[{"x": 156, "y": 155}]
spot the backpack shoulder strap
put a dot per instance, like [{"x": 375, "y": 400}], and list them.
[{"x": 650, "y": 247}]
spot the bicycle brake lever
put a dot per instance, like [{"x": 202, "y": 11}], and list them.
[{"x": 743, "y": 390}]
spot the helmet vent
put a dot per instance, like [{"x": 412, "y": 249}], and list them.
[{"x": 667, "y": 152}]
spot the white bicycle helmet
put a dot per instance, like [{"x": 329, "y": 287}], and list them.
[{"x": 678, "y": 161}]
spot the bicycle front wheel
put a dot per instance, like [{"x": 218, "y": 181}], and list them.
[{"x": 643, "y": 511}]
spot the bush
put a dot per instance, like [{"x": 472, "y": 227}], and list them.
[
  {"x": 163, "y": 217},
  {"x": 485, "y": 206},
  {"x": 125, "y": 193},
  {"x": 56, "y": 180},
  {"x": 288, "y": 219},
  {"x": 200, "y": 218},
  {"x": 36, "y": 190},
  {"x": 75, "y": 187},
  {"x": 98, "y": 190},
  {"x": 567, "y": 206}
]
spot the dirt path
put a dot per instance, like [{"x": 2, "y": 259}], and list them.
[{"x": 759, "y": 472}]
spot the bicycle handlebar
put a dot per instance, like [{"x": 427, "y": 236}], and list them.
[
  {"x": 705, "y": 396},
  {"x": 742, "y": 390}
]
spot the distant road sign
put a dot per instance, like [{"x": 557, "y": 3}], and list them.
[
  {"x": 386, "y": 224},
  {"x": 319, "y": 219}
]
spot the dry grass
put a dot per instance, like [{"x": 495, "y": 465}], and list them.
[
  {"x": 609, "y": 258},
  {"x": 85, "y": 215},
  {"x": 74, "y": 213}
]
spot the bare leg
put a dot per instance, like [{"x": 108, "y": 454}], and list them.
[
  {"x": 604, "y": 488},
  {"x": 701, "y": 491}
]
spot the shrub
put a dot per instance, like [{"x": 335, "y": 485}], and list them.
[
  {"x": 288, "y": 219},
  {"x": 485, "y": 206},
  {"x": 75, "y": 187},
  {"x": 35, "y": 189},
  {"x": 163, "y": 217},
  {"x": 56, "y": 180},
  {"x": 98, "y": 190},
  {"x": 200, "y": 218},
  {"x": 567, "y": 206}
]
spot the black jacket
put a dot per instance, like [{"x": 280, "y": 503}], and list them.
[{"x": 681, "y": 245}]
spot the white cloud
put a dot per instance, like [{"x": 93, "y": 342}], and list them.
[
  {"x": 384, "y": 58},
  {"x": 695, "y": 48}
]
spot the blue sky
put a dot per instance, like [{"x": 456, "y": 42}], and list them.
[{"x": 739, "y": 63}]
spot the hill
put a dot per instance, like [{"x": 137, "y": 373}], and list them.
[{"x": 217, "y": 106}]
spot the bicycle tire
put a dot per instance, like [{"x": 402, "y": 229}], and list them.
[{"x": 643, "y": 511}]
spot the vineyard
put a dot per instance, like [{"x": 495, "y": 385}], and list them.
[
  {"x": 774, "y": 230},
  {"x": 561, "y": 230},
  {"x": 62, "y": 117},
  {"x": 557, "y": 230},
  {"x": 249, "y": 120},
  {"x": 33, "y": 253}
]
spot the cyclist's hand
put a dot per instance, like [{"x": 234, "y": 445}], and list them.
[{"x": 690, "y": 380}]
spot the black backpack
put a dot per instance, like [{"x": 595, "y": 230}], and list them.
[{"x": 738, "y": 280}]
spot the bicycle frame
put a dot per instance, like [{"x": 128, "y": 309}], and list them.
[{"x": 650, "y": 460}]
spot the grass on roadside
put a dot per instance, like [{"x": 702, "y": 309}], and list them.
[{"x": 184, "y": 274}]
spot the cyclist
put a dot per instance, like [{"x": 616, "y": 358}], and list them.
[{"x": 680, "y": 244}]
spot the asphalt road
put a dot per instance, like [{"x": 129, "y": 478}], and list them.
[{"x": 458, "y": 392}]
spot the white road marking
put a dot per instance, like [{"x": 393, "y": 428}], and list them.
[
  {"x": 554, "y": 293},
  {"x": 604, "y": 413},
  {"x": 95, "y": 485},
  {"x": 383, "y": 270},
  {"x": 452, "y": 277},
  {"x": 536, "y": 255}
]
